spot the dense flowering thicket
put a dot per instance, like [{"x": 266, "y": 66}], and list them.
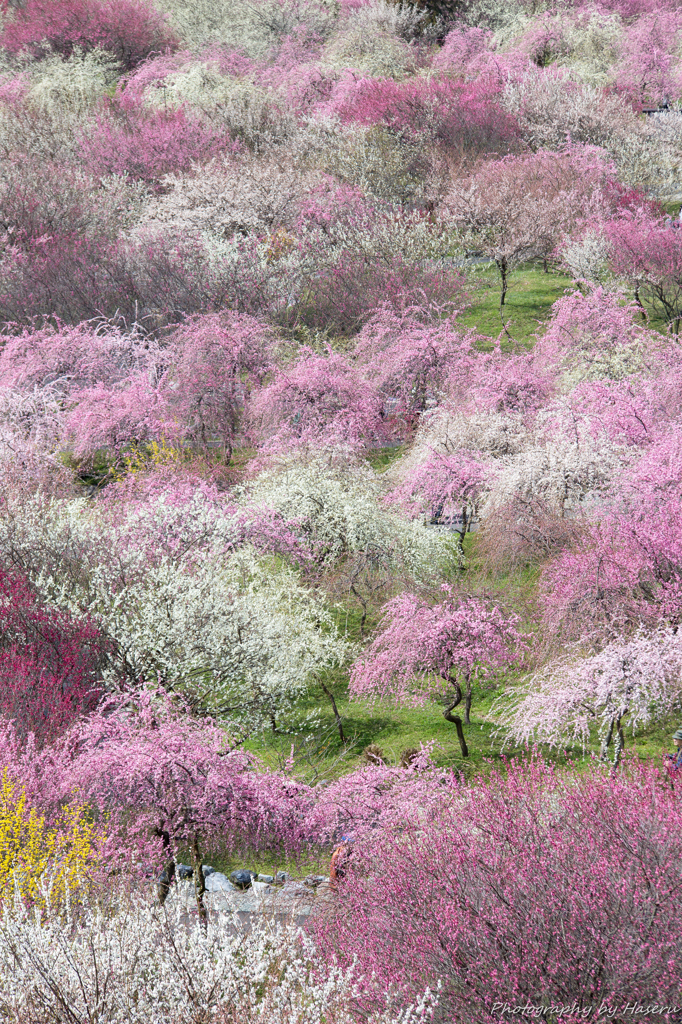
[
  {"x": 258, "y": 454},
  {"x": 528, "y": 889}
]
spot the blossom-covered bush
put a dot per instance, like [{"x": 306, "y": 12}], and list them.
[
  {"x": 125, "y": 959},
  {"x": 556, "y": 879},
  {"x": 129, "y": 29}
]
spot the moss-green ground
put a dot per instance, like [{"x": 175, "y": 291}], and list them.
[{"x": 529, "y": 300}]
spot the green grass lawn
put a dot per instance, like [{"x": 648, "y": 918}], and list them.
[{"x": 529, "y": 300}]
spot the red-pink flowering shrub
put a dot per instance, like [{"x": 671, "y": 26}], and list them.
[
  {"x": 146, "y": 144},
  {"x": 378, "y": 797},
  {"x": 70, "y": 358},
  {"x": 50, "y": 664},
  {"x": 532, "y": 889},
  {"x": 460, "y": 47},
  {"x": 190, "y": 388},
  {"x": 422, "y": 647},
  {"x": 319, "y": 401},
  {"x": 214, "y": 363},
  {"x": 595, "y": 336},
  {"x": 113, "y": 417},
  {"x": 464, "y": 118},
  {"x": 130, "y": 29},
  {"x": 71, "y": 276}
]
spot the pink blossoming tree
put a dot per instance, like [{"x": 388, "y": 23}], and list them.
[{"x": 444, "y": 646}]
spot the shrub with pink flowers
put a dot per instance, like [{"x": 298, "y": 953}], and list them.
[
  {"x": 131, "y": 30},
  {"x": 528, "y": 889},
  {"x": 50, "y": 664}
]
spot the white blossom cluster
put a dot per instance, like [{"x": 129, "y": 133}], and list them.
[
  {"x": 559, "y": 457},
  {"x": 565, "y": 461},
  {"x": 75, "y": 84},
  {"x": 236, "y": 632},
  {"x": 587, "y": 257},
  {"x": 140, "y": 964},
  {"x": 229, "y": 197},
  {"x": 338, "y": 508},
  {"x": 253, "y": 28}
]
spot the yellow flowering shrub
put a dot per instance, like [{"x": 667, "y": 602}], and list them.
[
  {"x": 35, "y": 857},
  {"x": 151, "y": 455}
]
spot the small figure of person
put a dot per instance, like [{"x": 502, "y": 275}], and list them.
[
  {"x": 339, "y": 861},
  {"x": 676, "y": 759}
]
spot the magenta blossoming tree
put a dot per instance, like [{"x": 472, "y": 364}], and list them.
[
  {"x": 444, "y": 486},
  {"x": 50, "y": 663},
  {"x": 130, "y": 29},
  {"x": 422, "y": 647},
  {"x": 528, "y": 888},
  {"x": 646, "y": 251},
  {"x": 319, "y": 401},
  {"x": 411, "y": 362},
  {"x": 174, "y": 783}
]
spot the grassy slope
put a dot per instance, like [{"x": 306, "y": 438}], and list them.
[{"x": 527, "y": 307}]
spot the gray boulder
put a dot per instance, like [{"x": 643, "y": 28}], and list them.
[
  {"x": 243, "y": 878},
  {"x": 218, "y": 882},
  {"x": 183, "y": 872},
  {"x": 265, "y": 878}
]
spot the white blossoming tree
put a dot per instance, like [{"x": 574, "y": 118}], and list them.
[{"x": 184, "y": 602}]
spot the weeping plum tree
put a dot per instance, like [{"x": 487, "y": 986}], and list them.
[
  {"x": 455, "y": 640},
  {"x": 636, "y": 679},
  {"x": 173, "y": 781}
]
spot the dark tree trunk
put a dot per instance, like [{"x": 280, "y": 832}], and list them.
[
  {"x": 167, "y": 876},
  {"x": 199, "y": 883},
  {"x": 363, "y": 603},
  {"x": 606, "y": 742},
  {"x": 467, "y": 702},
  {"x": 337, "y": 716},
  {"x": 456, "y": 720},
  {"x": 504, "y": 276},
  {"x": 620, "y": 744}
]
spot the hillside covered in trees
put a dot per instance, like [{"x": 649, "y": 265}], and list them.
[{"x": 340, "y": 510}]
